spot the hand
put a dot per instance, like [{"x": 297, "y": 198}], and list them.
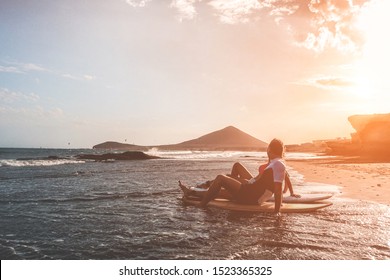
[
  {"x": 251, "y": 180},
  {"x": 295, "y": 195},
  {"x": 277, "y": 214}
]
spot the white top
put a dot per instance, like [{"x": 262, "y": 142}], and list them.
[
  {"x": 279, "y": 172},
  {"x": 278, "y": 168}
]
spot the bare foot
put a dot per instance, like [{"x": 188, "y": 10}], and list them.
[{"x": 185, "y": 189}]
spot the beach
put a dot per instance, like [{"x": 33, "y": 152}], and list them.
[{"x": 364, "y": 181}]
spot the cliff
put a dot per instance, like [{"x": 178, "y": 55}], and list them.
[{"x": 371, "y": 139}]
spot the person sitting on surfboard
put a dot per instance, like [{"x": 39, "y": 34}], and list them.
[
  {"x": 258, "y": 190},
  {"x": 242, "y": 174}
]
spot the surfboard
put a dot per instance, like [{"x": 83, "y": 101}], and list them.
[
  {"x": 305, "y": 198},
  {"x": 266, "y": 207}
]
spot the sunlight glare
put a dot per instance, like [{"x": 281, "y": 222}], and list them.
[{"x": 372, "y": 77}]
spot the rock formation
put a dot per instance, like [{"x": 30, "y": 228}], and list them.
[
  {"x": 133, "y": 155},
  {"x": 371, "y": 139}
]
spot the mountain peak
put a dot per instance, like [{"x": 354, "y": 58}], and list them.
[
  {"x": 230, "y": 127},
  {"x": 229, "y": 137}
]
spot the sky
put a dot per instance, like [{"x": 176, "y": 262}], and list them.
[{"x": 150, "y": 72}]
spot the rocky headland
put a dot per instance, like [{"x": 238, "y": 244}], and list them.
[
  {"x": 371, "y": 139},
  {"x": 130, "y": 155}
]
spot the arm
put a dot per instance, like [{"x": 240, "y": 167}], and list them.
[
  {"x": 278, "y": 196},
  {"x": 288, "y": 185},
  {"x": 254, "y": 179}
]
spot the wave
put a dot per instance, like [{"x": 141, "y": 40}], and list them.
[
  {"x": 202, "y": 155},
  {"x": 207, "y": 155},
  {"x": 37, "y": 162},
  {"x": 297, "y": 155},
  {"x": 21, "y": 157}
]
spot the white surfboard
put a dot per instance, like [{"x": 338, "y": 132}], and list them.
[
  {"x": 266, "y": 207},
  {"x": 305, "y": 198}
]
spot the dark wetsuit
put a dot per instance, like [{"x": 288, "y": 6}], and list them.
[{"x": 250, "y": 193}]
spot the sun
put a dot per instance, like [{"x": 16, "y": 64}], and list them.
[{"x": 371, "y": 76}]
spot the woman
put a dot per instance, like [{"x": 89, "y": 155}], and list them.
[
  {"x": 241, "y": 173},
  {"x": 253, "y": 191}
]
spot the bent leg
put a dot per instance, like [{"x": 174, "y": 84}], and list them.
[
  {"x": 200, "y": 193},
  {"x": 231, "y": 185},
  {"x": 239, "y": 171}
]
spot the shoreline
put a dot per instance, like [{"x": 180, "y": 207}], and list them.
[{"x": 366, "y": 181}]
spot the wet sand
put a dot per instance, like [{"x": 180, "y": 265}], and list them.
[{"x": 359, "y": 180}]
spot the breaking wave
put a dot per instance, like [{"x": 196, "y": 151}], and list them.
[
  {"x": 215, "y": 155},
  {"x": 37, "y": 162}
]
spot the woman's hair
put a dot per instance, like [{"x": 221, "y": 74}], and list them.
[{"x": 276, "y": 147}]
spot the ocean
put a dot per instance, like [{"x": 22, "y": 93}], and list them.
[{"x": 64, "y": 208}]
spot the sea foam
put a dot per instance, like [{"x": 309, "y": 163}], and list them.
[{"x": 37, "y": 162}]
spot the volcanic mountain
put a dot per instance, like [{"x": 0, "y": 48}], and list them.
[{"x": 229, "y": 138}]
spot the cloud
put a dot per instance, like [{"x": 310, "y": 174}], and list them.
[
  {"x": 21, "y": 68},
  {"x": 314, "y": 24},
  {"x": 137, "y": 3},
  {"x": 241, "y": 11},
  {"x": 32, "y": 67},
  {"x": 69, "y": 76},
  {"x": 331, "y": 10},
  {"x": 185, "y": 8},
  {"x": 332, "y": 24},
  {"x": 228, "y": 11},
  {"x": 89, "y": 77},
  {"x": 235, "y": 11},
  {"x": 329, "y": 83},
  {"x": 8, "y": 96},
  {"x": 79, "y": 78},
  {"x": 334, "y": 82},
  {"x": 10, "y": 69},
  {"x": 282, "y": 11},
  {"x": 324, "y": 38}
]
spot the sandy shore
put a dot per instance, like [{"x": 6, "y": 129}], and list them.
[{"x": 363, "y": 181}]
